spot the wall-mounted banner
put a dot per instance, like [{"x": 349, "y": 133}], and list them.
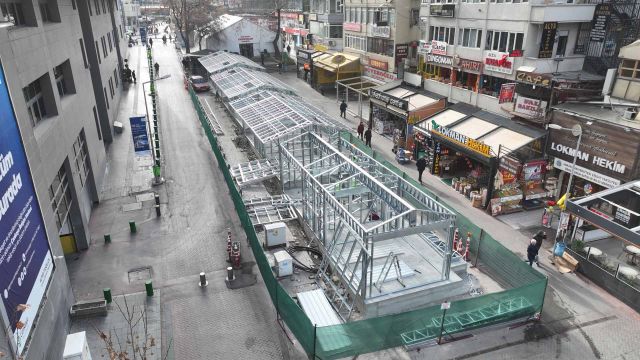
[
  {"x": 424, "y": 47},
  {"x": 438, "y": 47},
  {"x": 506, "y": 93},
  {"x": 351, "y": 26},
  {"x": 548, "y": 39},
  {"x": 440, "y": 59},
  {"x": 381, "y": 31},
  {"x": 599, "y": 23},
  {"x": 26, "y": 263},
  {"x": 498, "y": 62},
  {"x": 139, "y": 134},
  {"x": 532, "y": 78}
]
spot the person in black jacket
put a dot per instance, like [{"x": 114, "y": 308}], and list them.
[
  {"x": 421, "y": 164},
  {"x": 367, "y": 137},
  {"x": 343, "y": 109},
  {"x": 532, "y": 252},
  {"x": 539, "y": 237}
]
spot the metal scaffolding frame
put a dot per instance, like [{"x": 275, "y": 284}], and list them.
[
  {"x": 358, "y": 87},
  {"x": 240, "y": 82},
  {"x": 270, "y": 209},
  {"x": 221, "y": 60},
  {"x": 351, "y": 202},
  {"x": 253, "y": 172}
]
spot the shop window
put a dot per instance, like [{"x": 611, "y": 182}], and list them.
[
  {"x": 491, "y": 85},
  {"x": 81, "y": 158},
  {"x": 380, "y": 46},
  {"x": 335, "y": 31},
  {"x": 562, "y": 45},
  {"x": 355, "y": 42},
  {"x": 60, "y": 197},
  {"x": 470, "y": 38},
  {"x": 64, "y": 79},
  {"x": 504, "y": 41},
  {"x": 442, "y": 33}
]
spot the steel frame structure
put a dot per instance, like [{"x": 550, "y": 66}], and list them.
[
  {"x": 221, "y": 60},
  {"x": 359, "y": 87},
  {"x": 341, "y": 187},
  {"x": 239, "y": 82}
]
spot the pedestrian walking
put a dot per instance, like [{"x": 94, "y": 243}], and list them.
[
  {"x": 156, "y": 66},
  {"x": 421, "y": 164},
  {"x": 164, "y": 39},
  {"x": 150, "y": 42},
  {"x": 539, "y": 238},
  {"x": 361, "y": 130},
  {"x": 133, "y": 75},
  {"x": 262, "y": 58},
  {"x": 367, "y": 137},
  {"x": 343, "y": 109},
  {"x": 288, "y": 49},
  {"x": 532, "y": 252}
]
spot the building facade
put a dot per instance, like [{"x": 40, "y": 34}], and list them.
[
  {"x": 131, "y": 13},
  {"x": 383, "y": 33},
  {"x": 325, "y": 24},
  {"x": 49, "y": 54},
  {"x": 471, "y": 48}
]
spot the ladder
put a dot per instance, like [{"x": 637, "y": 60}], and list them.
[{"x": 391, "y": 261}]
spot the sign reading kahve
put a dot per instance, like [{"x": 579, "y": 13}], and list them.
[{"x": 388, "y": 99}]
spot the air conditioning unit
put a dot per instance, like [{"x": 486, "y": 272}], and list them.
[
  {"x": 275, "y": 234},
  {"x": 332, "y": 43},
  {"x": 284, "y": 263},
  {"x": 630, "y": 114}
]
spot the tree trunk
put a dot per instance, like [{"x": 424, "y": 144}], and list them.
[
  {"x": 276, "y": 41},
  {"x": 200, "y": 42}
]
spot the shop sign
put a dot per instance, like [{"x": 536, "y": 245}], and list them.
[
  {"x": 516, "y": 53},
  {"x": 388, "y": 99},
  {"x": 440, "y": 59},
  {"x": 599, "y": 23},
  {"x": 533, "y": 171},
  {"x": 245, "y": 39},
  {"x": 463, "y": 140},
  {"x": 351, "y": 26},
  {"x": 531, "y": 107},
  {"x": 548, "y": 39},
  {"x": 498, "y": 62},
  {"x": 506, "y": 93},
  {"x": 303, "y": 55},
  {"x": 532, "y": 78},
  {"x": 379, "y": 74},
  {"x": 381, "y": 31},
  {"x": 586, "y": 174},
  {"x": 424, "y": 47},
  {"x": 443, "y": 10},
  {"x": 402, "y": 51},
  {"x": 438, "y": 47},
  {"x": 470, "y": 65},
  {"x": 623, "y": 215},
  {"x": 509, "y": 168},
  {"x": 313, "y": 17},
  {"x": 435, "y": 169},
  {"x": 377, "y": 64}
]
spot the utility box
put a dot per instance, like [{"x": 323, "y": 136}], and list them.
[
  {"x": 76, "y": 347},
  {"x": 284, "y": 263},
  {"x": 275, "y": 234}
]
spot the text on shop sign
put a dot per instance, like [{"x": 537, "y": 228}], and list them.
[
  {"x": 464, "y": 140},
  {"x": 596, "y": 160},
  {"x": 388, "y": 99}
]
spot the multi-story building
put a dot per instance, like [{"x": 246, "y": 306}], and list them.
[
  {"x": 384, "y": 33},
  {"x": 325, "y": 24},
  {"x": 131, "y": 12},
  {"x": 473, "y": 47},
  {"x": 61, "y": 63}
]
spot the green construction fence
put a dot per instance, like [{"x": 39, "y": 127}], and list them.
[{"x": 523, "y": 298}]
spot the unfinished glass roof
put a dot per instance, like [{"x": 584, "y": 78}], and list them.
[
  {"x": 220, "y": 61},
  {"x": 236, "y": 82},
  {"x": 271, "y": 115}
]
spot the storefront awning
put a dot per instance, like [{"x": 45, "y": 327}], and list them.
[
  {"x": 397, "y": 97},
  {"x": 338, "y": 62}
]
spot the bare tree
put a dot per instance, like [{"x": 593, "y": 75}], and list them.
[
  {"x": 190, "y": 15},
  {"x": 212, "y": 29}
]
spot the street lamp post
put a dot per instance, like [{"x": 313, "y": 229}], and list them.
[
  {"x": 576, "y": 130},
  {"x": 156, "y": 161}
]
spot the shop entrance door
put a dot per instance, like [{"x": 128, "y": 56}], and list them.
[
  {"x": 246, "y": 50},
  {"x": 68, "y": 243}
]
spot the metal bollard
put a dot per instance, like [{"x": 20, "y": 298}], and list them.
[
  {"x": 235, "y": 252},
  {"x": 148, "y": 286},
  {"x": 203, "y": 280},
  {"x": 157, "y": 210},
  {"x": 230, "y": 274},
  {"x": 107, "y": 295},
  {"x": 107, "y": 238},
  {"x": 157, "y": 198},
  {"x": 132, "y": 227}
]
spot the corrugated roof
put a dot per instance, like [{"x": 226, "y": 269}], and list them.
[{"x": 221, "y": 60}]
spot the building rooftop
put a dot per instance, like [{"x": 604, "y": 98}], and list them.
[
  {"x": 631, "y": 51},
  {"x": 599, "y": 112}
]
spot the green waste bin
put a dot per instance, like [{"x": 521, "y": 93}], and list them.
[
  {"x": 107, "y": 238},
  {"x": 107, "y": 295},
  {"x": 148, "y": 285},
  {"x": 156, "y": 170},
  {"x": 132, "y": 226}
]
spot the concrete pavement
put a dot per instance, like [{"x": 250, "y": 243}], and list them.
[{"x": 579, "y": 319}]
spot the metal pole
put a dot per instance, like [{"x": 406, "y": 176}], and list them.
[
  {"x": 444, "y": 312},
  {"x": 146, "y": 108},
  {"x": 475, "y": 262},
  {"x": 568, "y": 192}
]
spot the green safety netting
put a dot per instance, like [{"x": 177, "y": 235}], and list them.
[{"x": 523, "y": 298}]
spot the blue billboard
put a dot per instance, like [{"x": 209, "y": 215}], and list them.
[
  {"x": 26, "y": 264},
  {"x": 139, "y": 134},
  {"x": 143, "y": 34}
]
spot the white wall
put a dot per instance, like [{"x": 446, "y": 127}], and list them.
[{"x": 243, "y": 31}]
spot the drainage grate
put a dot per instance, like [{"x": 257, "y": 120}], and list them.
[
  {"x": 132, "y": 207},
  {"x": 141, "y": 274}
]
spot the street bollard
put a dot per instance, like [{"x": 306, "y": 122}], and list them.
[
  {"x": 107, "y": 238},
  {"x": 235, "y": 252},
  {"x": 148, "y": 286},
  {"x": 157, "y": 198},
  {"x": 157, "y": 210},
  {"x": 203, "y": 280},
  {"x": 158, "y": 154},
  {"x": 132, "y": 226},
  {"x": 107, "y": 295},
  {"x": 230, "y": 275}
]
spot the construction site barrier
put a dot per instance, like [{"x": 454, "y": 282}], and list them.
[{"x": 523, "y": 297}]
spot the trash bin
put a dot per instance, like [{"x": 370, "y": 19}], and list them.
[{"x": 558, "y": 249}]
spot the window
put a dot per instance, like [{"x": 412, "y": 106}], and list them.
[
  {"x": 109, "y": 40},
  {"x": 97, "y": 4},
  {"x": 111, "y": 91},
  {"x": 98, "y": 52},
  {"x": 381, "y": 17},
  {"x": 89, "y": 6},
  {"x": 470, "y": 38},
  {"x": 380, "y": 46},
  {"x": 104, "y": 47},
  {"x": 84, "y": 55},
  {"x": 504, "y": 41},
  {"x": 73, "y": 4},
  {"x": 95, "y": 118},
  {"x": 584, "y": 33},
  {"x": 115, "y": 76},
  {"x": 441, "y": 33},
  {"x": 81, "y": 158},
  {"x": 45, "y": 13},
  {"x": 442, "y": 1},
  {"x": 473, "y": 1},
  {"x": 562, "y": 45},
  {"x": 60, "y": 197},
  {"x": 35, "y": 102},
  {"x": 335, "y": 31},
  {"x": 104, "y": 9},
  {"x": 372, "y": 16},
  {"x": 355, "y": 42},
  {"x": 629, "y": 69},
  {"x": 12, "y": 12},
  {"x": 106, "y": 98},
  {"x": 509, "y": 1},
  {"x": 357, "y": 19},
  {"x": 363, "y": 15},
  {"x": 58, "y": 74}
]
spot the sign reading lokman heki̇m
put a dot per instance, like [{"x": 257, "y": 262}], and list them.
[{"x": 26, "y": 264}]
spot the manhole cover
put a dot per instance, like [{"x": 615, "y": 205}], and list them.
[
  {"x": 139, "y": 275},
  {"x": 132, "y": 207}
]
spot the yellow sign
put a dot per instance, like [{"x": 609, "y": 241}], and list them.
[
  {"x": 463, "y": 140},
  {"x": 413, "y": 119},
  {"x": 320, "y": 47}
]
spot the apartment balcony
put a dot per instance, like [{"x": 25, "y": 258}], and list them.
[
  {"x": 331, "y": 18},
  {"x": 561, "y": 11}
]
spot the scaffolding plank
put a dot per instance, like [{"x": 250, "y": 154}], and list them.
[
  {"x": 211, "y": 117},
  {"x": 255, "y": 171}
]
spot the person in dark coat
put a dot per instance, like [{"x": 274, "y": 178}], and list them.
[
  {"x": 156, "y": 66},
  {"x": 421, "y": 164},
  {"x": 539, "y": 237},
  {"x": 532, "y": 252},
  {"x": 367, "y": 137},
  {"x": 361, "y": 130},
  {"x": 343, "y": 109},
  {"x": 133, "y": 75},
  {"x": 150, "y": 42}
]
